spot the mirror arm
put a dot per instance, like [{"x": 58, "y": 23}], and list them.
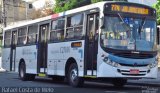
[{"x": 102, "y": 23}]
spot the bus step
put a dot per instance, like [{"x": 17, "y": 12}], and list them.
[
  {"x": 42, "y": 75},
  {"x": 89, "y": 76},
  {"x": 91, "y": 72}
]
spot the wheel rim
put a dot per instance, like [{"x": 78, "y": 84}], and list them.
[
  {"x": 22, "y": 72},
  {"x": 74, "y": 75}
]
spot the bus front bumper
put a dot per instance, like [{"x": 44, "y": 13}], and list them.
[{"x": 107, "y": 71}]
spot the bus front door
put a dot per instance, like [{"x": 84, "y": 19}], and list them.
[
  {"x": 91, "y": 45},
  {"x": 42, "y": 48},
  {"x": 13, "y": 50}
]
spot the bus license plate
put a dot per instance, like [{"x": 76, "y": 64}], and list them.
[{"x": 134, "y": 71}]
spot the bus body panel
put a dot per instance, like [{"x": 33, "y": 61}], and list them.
[
  {"x": 105, "y": 70},
  {"x": 29, "y": 55},
  {"x": 6, "y": 58},
  {"x": 59, "y": 53}
]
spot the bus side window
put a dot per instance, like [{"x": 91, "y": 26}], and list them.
[
  {"x": 7, "y": 39},
  {"x": 32, "y": 34},
  {"x": 74, "y": 26},
  {"x": 22, "y": 36},
  {"x": 57, "y": 32}
]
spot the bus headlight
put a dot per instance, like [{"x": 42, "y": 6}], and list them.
[
  {"x": 110, "y": 62},
  {"x": 152, "y": 65}
]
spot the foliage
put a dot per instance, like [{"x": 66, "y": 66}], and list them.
[
  {"x": 63, "y": 5},
  {"x": 95, "y": 1},
  {"x": 157, "y": 7}
]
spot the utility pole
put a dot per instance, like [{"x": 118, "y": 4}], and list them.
[{"x": 4, "y": 14}]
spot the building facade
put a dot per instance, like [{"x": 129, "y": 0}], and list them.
[{"x": 15, "y": 10}]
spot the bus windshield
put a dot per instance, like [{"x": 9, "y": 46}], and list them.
[{"x": 128, "y": 33}]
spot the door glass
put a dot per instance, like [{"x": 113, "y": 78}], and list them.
[
  {"x": 91, "y": 26},
  {"x": 42, "y": 49},
  {"x": 14, "y": 38},
  {"x": 43, "y": 33},
  {"x": 92, "y": 41}
]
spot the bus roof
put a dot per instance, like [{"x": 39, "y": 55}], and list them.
[{"x": 76, "y": 10}]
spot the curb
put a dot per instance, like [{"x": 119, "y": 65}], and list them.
[
  {"x": 149, "y": 82},
  {"x": 144, "y": 84}
]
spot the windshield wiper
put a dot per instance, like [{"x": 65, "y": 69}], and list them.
[
  {"x": 124, "y": 23},
  {"x": 121, "y": 17},
  {"x": 141, "y": 26},
  {"x": 143, "y": 22}
]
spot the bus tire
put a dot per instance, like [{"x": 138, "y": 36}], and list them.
[
  {"x": 73, "y": 78},
  {"x": 22, "y": 73},
  {"x": 119, "y": 82}
]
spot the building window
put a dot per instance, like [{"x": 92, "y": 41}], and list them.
[{"x": 30, "y": 6}]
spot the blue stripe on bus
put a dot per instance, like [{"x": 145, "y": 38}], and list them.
[
  {"x": 81, "y": 52},
  {"x": 131, "y": 61}
]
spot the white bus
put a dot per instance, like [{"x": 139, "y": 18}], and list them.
[{"x": 105, "y": 40}]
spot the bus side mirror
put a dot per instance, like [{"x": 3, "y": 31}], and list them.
[
  {"x": 102, "y": 23},
  {"x": 158, "y": 35}
]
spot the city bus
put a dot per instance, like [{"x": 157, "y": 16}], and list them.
[{"x": 107, "y": 40}]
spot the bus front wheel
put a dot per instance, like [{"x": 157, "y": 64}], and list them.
[
  {"x": 119, "y": 82},
  {"x": 73, "y": 78},
  {"x": 22, "y": 73}
]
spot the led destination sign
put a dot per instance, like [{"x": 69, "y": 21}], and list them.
[{"x": 130, "y": 9}]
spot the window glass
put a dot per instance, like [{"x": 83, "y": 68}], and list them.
[
  {"x": 132, "y": 34},
  {"x": 58, "y": 24},
  {"x": 32, "y": 34},
  {"x": 22, "y": 31},
  {"x": 22, "y": 39},
  {"x": 32, "y": 29},
  {"x": 75, "y": 20},
  {"x": 57, "y": 32},
  {"x": 7, "y": 39},
  {"x": 7, "y": 42},
  {"x": 7, "y": 35},
  {"x": 74, "y": 27}
]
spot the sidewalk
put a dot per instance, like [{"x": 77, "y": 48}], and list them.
[
  {"x": 2, "y": 70},
  {"x": 154, "y": 82}
]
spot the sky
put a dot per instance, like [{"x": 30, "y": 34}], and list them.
[{"x": 147, "y": 2}]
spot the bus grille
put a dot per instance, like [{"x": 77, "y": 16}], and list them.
[
  {"x": 135, "y": 56},
  {"x": 132, "y": 65},
  {"x": 127, "y": 72}
]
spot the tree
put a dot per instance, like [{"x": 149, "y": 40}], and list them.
[
  {"x": 63, "y": 5},
  {"x": 157, "y": 7},
  {"x": 95, "y": 1},
  {"x": 42, "y": 12}
]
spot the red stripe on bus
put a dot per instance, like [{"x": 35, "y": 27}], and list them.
[{"x": 55, "y": 16}]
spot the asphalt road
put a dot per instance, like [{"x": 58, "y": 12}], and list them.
[{"x": 10, "y": 83}]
